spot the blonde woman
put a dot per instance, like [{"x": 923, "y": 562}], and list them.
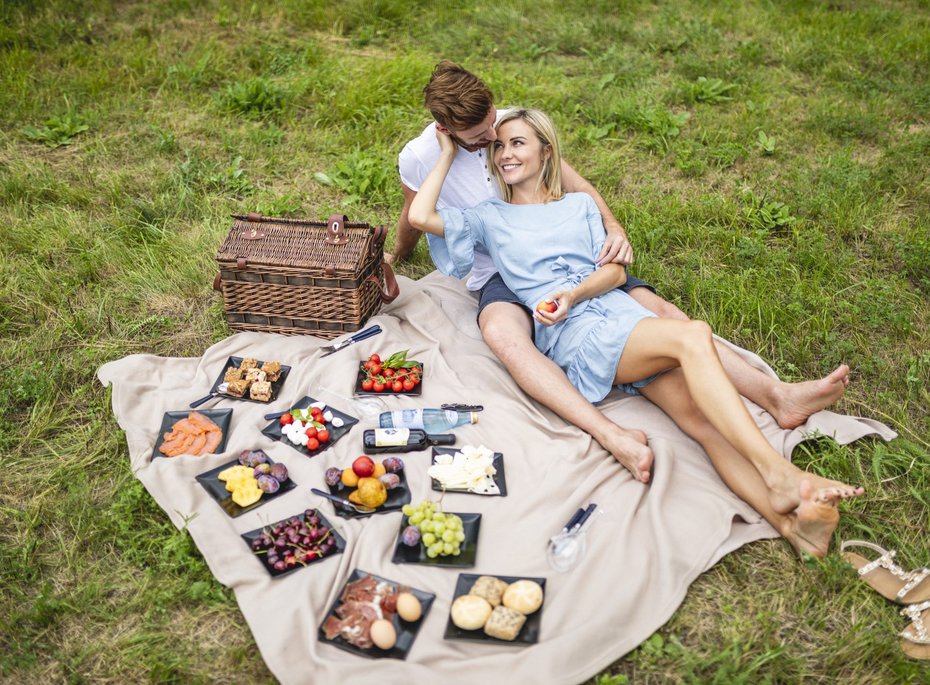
[{"x": 545, "y": 244}]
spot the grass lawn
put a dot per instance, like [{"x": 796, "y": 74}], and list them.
[{"x": 770, "y": 163}]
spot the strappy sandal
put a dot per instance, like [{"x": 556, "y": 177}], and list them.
[
  {"x": 887, "y": 578},
  {"x": 916, "y": 642}
]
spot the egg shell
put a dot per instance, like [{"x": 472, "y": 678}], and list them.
[
  {"x": 383, "y": 634},
  {"x": 408, "y": 607}
]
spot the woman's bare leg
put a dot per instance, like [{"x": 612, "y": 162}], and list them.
[
  {"x": 809, "y": 527},
  {"x": 658, "y": 344}
]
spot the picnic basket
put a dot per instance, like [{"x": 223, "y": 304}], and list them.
[{"x": 295, "y": 276}]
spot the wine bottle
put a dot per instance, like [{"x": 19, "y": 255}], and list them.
[
  {"x": 402, "y": 440},
  {"x": 430, "y": 420}
]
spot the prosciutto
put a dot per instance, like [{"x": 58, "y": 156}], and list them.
[{"x": 362, "y": 602}]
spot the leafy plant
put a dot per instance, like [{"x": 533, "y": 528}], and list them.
[
  {"x": 362, "y": 177},
  {"x": 762, "y": 213},
  {"x": 765, "y": 143},
  {"x": 57, "y": 131},
  {"x": 232, "y": 179},
  {"x": 256, "y": 97},
  {"x": 711, "y": 90}
]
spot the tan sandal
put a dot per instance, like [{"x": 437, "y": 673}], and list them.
[
  {"x": 887, "y": 578},
  {"x": 916, "y": 642}
]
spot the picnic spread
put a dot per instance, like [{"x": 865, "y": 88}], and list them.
[{"x": 495, "y": 607}]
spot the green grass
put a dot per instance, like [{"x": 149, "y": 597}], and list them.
[{"x": 769, "y": 161}]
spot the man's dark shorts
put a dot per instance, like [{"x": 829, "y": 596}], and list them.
[{"x": 495, "y": 290}]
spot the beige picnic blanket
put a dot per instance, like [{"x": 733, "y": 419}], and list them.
[{"x": 648, "y": 545}]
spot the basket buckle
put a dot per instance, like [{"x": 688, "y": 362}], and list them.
[{"x": 335, "y": 235}]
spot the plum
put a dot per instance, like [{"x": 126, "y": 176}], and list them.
[
  {"x": 411, "y": 536},
  {"x": 279, "y": 471},
  {"x": 268, "y": 485},
  {"x": 390, "y": 480},
  {"x": 333, "y": 476},
  {"x": 393, "y": 464}
]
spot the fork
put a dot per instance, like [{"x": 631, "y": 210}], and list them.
[{"x": 361, "y": 335}]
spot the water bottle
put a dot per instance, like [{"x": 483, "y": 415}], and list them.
[{"x": 430, "y": 420}]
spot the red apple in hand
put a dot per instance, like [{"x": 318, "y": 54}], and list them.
[
  {"x": 548, "y": 306},
  {"x": 363, "y": 467}
]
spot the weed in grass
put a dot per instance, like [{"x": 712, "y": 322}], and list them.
[
  {"x": 765, "y": 143},
  {"x": 58, "y": 130},
  {"x": 255, "y": 97},
  {"x": 761, "y": 213},
  {"x": 709, "y": 90}
]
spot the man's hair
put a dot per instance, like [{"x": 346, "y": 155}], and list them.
[
  {"x": 550, "y": 176},
  {"x": 457, "y": 98}
]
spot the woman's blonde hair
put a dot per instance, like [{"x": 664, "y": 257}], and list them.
[{"x": 550, "y": 180}]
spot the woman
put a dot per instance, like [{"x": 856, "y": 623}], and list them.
[{"x": 545, "y": 244}]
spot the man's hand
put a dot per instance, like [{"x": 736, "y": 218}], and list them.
[{"x": 616, "y": 249}]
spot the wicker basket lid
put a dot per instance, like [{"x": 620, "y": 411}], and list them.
[{"x": 299, "y": 244}]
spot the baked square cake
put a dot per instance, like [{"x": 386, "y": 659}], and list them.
[
  {"x": 272, "y": 371},
  {"x": 254, "y": 375},
  {"x": 261, "y": 391},
  {"x": 237, "y": 388},
  {"x": 232, "y": 374},
  {"x": 248, "y": 363}
]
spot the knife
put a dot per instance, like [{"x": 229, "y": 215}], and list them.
[{"x": 358, "y": 337}]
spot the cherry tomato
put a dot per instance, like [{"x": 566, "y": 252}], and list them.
[
  {"x": 375, "y": 358},
  {"x": 389, "y": 373},
  {"x": 367, "y": 384},
  {"x": 311, "y": 432},
  {"x": 368, "y": 364},
  {"x": 415, "y": 378},
  {"x": 322, "y": 435},
  {"x": 313, "y": 444},
  {"x": 316, "y": 412},
  {"x": 287, "y": 419},
  {"x": 398, "y": 386},
  {"x": 378, "y": 386},
  {"x": 409, "y": 385},
  {"x": 375, "y": 369}
]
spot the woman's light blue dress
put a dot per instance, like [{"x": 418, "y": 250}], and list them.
[{"x": 539, "y": 250}]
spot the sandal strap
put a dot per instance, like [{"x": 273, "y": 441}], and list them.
[
  {"x": 915, "y": 613},
  {"x": 886, "y": 561},
  {"x": 917, "y": 578}
]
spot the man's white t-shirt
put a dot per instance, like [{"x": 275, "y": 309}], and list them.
[{"x": 468, "y": 183}]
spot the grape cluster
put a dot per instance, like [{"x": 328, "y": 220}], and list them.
[
  {"x": 441, "y": 534},
  {"x": 297, "y": 540}
]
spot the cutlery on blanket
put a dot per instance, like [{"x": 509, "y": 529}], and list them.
[
  {"x": 361, "y": 509},
  {"x": 220, "y": 390},
  {"x": 361, "y": 335},
  {"x": 568, "y": 547}
]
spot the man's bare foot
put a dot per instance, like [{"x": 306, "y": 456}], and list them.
[
  {"x": 795, "y": 402},
  {"x": 631, "y": 449},
  {"x": 785, "y": 489},
  {"x": 810, "y": 526}
]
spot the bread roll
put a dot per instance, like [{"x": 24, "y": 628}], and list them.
[
  {"x": 525, "y": 596},
  {"x": 489, "y": 587},
  {"x": 504, "y": 623},
  {"x": 470, "y": 612}
]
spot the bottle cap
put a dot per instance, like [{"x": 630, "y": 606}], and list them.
[{"x": 474, "y": 417}]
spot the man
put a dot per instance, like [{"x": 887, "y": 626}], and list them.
[{"x": 463, "y": 107}]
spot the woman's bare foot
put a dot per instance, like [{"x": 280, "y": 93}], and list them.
[
  {"x": 795, "y": 402},
  {"x": 631, "y": 449},
  {"x": 809, "y": 528},
  {"x": 786, "y": 486}
]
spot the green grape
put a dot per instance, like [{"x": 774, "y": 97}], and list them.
[
  {"x": 427, "y": 526},
  {"x": 436, "y": 547},
  {"x": 432, "y": 553},
  {"x": 448, "y": 536},
  {"x": 416, "y": 519},
  {"x": 439, "y": 516},
  {"x": 456, "y": 551},
  {"x": 428, "y": 539},
  {"x": 407, "y": 509},
  {"x": 460, "y": 536},
  {"x": 447, "y": 548},
  {"x": 439, "y": 528}
]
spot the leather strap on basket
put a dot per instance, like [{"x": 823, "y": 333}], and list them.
[
  {"x": 378, "y": 235},
  {"x": 392, "y": 290},
  {"x": 335, "y": 233},
  {"x": 218, "y": 281}
]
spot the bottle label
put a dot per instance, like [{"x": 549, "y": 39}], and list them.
[
  {"x": 408, "y": 418},
  {"x": 391, "y": 437}
]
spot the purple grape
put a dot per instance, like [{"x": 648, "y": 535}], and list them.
[
  {"x": 390, "y": 480},
  {"x": 411, "y": 536},
  {"x": 393, "y": 464},
  {"x": 268, "y": 485},
  {"x": 333, "y": 476},
  {"x": 279, "y": 471}
]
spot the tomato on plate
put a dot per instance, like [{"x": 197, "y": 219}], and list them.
[
  {"x": 378, "y": 386},
  {"x": 313, "y": 444},
  {"x": 367, "y": 385},
  {"x": 375, "y": 358},
  {"x": 287, "y": 419},
  {"x": 397, "y": 386},
  {"x": 322, "y": 435},
  {"x": 389, "y": 373},
  {"x": 375, "y": 369},
  {"x": 311, "y": 432},
  {"x": 409, "y": 384}
]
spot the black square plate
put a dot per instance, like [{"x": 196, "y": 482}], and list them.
[
  {"x": 217, "y": 489},
  {"x": 497, "y": 461},
  {"x": 397, "y": 498},
  {"x": 529, "y": 633},
  {"x": 234, "y": 362},
  {"x": 274, "y": 573},
  {"x": 406, "y": 630},
  {"x": 471, "y": 523},
  {"x": 273, "y": 429},
  {"x": 221, "y": 417},
  {"x": 416, "y": 392}
]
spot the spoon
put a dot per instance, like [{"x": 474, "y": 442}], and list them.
[
  {"x": 220, "y": 390},
  {"x": 358, "y": 508}
]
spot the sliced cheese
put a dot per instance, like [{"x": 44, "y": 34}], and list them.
[{"x": 471, "y": 468}]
